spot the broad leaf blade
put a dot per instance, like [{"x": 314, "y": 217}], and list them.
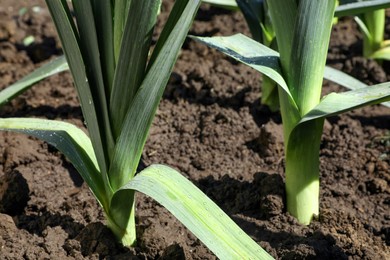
[
  {"x": 68, "y": 139},
  {"x": 132, "y": 60},
  {"x": 337, "y": 103},
  {"x": 53, "y": 67},
  {"x": 251, "y": 53},
  {"x": 197, "y": 212},
  {"x": 69, "y": 38},
  {"x": 345, "y": 80},
  {"x": 141, "y": 112}
]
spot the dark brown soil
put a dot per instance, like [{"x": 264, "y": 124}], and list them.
[{"x": 211, "y": 127}]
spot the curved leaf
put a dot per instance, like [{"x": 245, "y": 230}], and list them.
[
  {"x": 336, "y": 103},
  {"x": 197, "y": 212},
  {"x": 228, "y": 4},
  {"x": 52, "y": 67},
  {"x": 342, "y": 78},
  {"x": 363, "y": 28},
  {"x": 68, "y": 139},
  {"x": 133, "y": 56},
  {"x": 251, "y": 53},
  {"x": 345, "y": 80}
]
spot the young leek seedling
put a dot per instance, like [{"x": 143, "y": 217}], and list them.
[
  {"x": 119, "y": 87},
  {"x": 302, "y": 30}
]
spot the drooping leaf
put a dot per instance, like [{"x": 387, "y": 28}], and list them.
[
  {"x": 342, "y": 78},
  {"x": 53, "y": 67},
  {"x": 132, "y": 59},
  {"x": 227, "y": 4},
  {"x": 68, "y": 139},
  {"x": 360, "y": 7},
  {"x": 141, "y": 112},
  {"x": 251, "y": 53},
  {"x": 345, "y": 80},
  {"x": 336, "y": 103},
  {"x": 197, "y": 212},
  {"x": 262, "y": 59}
]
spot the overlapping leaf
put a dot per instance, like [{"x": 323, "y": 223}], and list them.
[
  {"x": 70, "y": 40},
  {"x": 141, "y": 111},
  {"x": 67, "y": 138},
  {"x": 197, "y": 212}
]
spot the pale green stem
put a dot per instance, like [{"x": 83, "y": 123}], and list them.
[
  {"x": 375, "y": 22},
  {"x": 121, "y": 216},
  {"x": 302, "y": 171},
  {"x": 303, "y": 37}
]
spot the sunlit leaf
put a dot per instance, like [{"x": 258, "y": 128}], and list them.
[
  {"x": 53, "y": 67},
  {"x": 68, "y": 139},
  {"x": 197, "y": 212}
]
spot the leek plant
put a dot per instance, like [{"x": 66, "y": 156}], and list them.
[
  {"x": 302, "y": 30},
  {"x": 372, "y": 25},
  {"x": 258, "y": 19},
  {"x": 119, "y": 85}
]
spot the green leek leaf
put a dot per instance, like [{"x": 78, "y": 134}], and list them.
[
  {"x": 197, "y": 212},
  {"x": 121, "y": 11},
  {"x": 104, "y": 25},
  {"x": 70, "y": 41},
  {"x": 251, "y": 53},
  {"x": 88, "y": 44},
  {"x": 363, "y": 28},
  {"x": 142, "y": 109},
  {"x": 53, "y": 67},
  {"x": 336, "y": 103},
  {"x": 132, "y": 59},
  {"x": 381, "y": 54},
  {"x": 227, "y": 4},
  {"x": 361, "y": 7},
  {"x": 68, "y": 139},
  {"x": 253, "y": 12},
  {"x": 345, "y": 80}
]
